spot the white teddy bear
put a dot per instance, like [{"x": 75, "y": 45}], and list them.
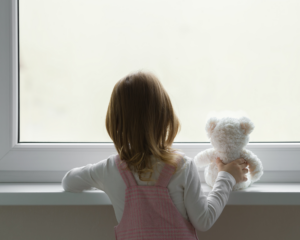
[{"x": 229, "y": 136}]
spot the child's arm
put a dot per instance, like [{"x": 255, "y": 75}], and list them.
[
  {"x": 203, "y": 211},
  {"x": 85, "y": 178}
]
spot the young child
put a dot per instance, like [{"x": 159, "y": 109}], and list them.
[{"x": 154, "y": 189}]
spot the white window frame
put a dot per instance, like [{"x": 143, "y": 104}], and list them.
[{"x": 46, "y": 162}]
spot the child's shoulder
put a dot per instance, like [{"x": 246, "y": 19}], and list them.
[
  {"x": 111, "y": 159},
  {"x": 184, "y": 162}
]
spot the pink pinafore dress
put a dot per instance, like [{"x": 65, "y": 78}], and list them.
[{"x": 149, "y": 212}]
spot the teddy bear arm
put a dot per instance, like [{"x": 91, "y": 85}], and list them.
[
  {"x": 204, "y": 158},
  {"x": 255, "y": 165}
]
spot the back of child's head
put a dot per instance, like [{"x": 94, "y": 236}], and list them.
[{"x": 141, "y": 122}]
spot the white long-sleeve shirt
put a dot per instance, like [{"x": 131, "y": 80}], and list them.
[{"x": 184, "y": 189}]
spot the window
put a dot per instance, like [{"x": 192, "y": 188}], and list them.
[
  {"x": 47, "y": 162},
  {"x": 210, "y": 55}
]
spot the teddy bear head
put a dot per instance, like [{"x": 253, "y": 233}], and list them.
[{"x": 228, "y": 134}]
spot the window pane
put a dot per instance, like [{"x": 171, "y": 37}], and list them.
[{"x": 209, "y": 55}]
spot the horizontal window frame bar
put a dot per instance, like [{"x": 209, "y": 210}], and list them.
[
  {"x": 40, "y": 194},
  {"x": 271, "y": 146},
  {"x": 57, "y": 176}
]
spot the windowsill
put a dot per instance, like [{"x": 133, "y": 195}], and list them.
[{"x": 17, "y": 194}]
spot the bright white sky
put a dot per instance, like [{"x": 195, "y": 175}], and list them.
[{"x": 209, "y": 55}]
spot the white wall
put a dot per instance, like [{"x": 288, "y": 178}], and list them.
[{"x": 97, "y": 222}]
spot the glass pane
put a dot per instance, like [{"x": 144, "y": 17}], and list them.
[{"x": 209, "y": 55}]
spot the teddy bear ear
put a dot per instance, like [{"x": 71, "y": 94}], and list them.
[
  {"x": 210, "y": 125},
  {"x": 246, "y": 125}
]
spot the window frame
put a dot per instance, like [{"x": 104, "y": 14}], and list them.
[{"x": 48, "y": 162}]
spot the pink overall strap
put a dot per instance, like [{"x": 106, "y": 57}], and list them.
[
  {"x": 125, "y": 173},
  {"x": 165, "y": 176},
  {"x": 167, "y": 172}
]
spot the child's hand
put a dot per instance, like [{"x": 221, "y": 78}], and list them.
[{"x": 236, "y": 168}]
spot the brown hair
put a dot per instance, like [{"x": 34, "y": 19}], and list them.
[{"x": 141, "y": 122}]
